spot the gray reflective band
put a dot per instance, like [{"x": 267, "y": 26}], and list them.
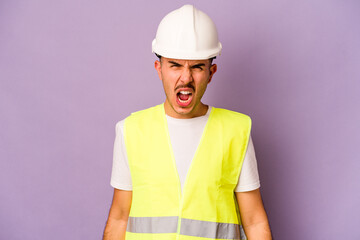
[
  {"x": 188, "y": 227},
  {"x": 213, "y": 230},
  {"x": 152, "y": 224}
]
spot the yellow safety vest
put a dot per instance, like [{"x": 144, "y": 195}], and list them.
[{"x": 207, "y": 207}]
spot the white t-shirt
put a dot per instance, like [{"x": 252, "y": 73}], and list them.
[{"x": 185, "y": 135}]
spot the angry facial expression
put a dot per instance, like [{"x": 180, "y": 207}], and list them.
[{"x": 184, "y": 82}]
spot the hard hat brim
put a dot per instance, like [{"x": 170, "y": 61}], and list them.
[{"x": 186, "y": 54}]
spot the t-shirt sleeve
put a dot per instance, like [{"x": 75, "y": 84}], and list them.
[
  {"x": 249, "y": 176},
  {"x": 120, "y": 175}
]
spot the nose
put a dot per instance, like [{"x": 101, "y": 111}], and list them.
[{"x": 186, "y": 75}]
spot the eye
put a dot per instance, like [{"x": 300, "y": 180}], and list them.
[
  {"x": 197, "y": 67},
  {"x": 173, "y": 65}
]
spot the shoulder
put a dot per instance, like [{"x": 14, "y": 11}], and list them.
[
  {"x": 230, "y": 116},
  {"x": 146, "y": 118},
  {"x": 148, "y": 112},
  {"x": 119, "y": 126}
]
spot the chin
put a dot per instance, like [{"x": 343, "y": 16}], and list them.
[{"x": 183, "y": 110}]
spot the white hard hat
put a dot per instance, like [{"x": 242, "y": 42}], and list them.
[{"x": 187, "y": 33}]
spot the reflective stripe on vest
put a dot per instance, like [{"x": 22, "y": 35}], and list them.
[
  {"x": 207, "y": 206},
  {"x": 189, "y": 227}
]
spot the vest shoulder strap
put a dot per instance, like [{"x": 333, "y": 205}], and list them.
[{"x": 232, "y": 119}]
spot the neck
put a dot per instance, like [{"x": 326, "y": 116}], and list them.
[{"x": 199, "y": 110}]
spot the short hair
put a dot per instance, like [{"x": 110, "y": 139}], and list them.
[{"x": 159, "y": 56}]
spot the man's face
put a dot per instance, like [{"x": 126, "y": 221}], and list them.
[{"x": 184, "y": 82}]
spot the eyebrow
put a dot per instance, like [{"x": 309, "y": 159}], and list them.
[
  {"x": 193, "y": 66},
  {"x": 198, "y": 65},
  {"x": 174, "y": 63}
]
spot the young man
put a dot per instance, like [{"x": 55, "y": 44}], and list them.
[{"x": 182, "y": 169}]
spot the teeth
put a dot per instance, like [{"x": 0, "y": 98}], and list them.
[
  {"x": 183, "y": 100},
  {"x": 185, "y": 92}
]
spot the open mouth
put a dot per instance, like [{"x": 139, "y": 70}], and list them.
[{"x": 184, "y": 98}]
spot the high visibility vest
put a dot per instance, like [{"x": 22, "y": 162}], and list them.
[{"x": 207, "y": 206}]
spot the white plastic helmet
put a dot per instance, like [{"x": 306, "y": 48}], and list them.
[{"x": 187, "y": 33}]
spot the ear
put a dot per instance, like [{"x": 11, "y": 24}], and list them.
[
  {"x": 157, "y": 66},
  {"x": 213, "y": 70}
]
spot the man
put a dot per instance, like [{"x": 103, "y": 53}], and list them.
[{"x": 182, "y": 169}]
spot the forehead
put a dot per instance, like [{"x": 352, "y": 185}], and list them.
[{"x": 186, "y": 62}]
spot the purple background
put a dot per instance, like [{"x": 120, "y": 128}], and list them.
[{"x": 69, "y": 70}]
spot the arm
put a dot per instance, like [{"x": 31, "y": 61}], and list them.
[
  {"x": 118, "y": 216},
  {"x": 253, "y": 215}
]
